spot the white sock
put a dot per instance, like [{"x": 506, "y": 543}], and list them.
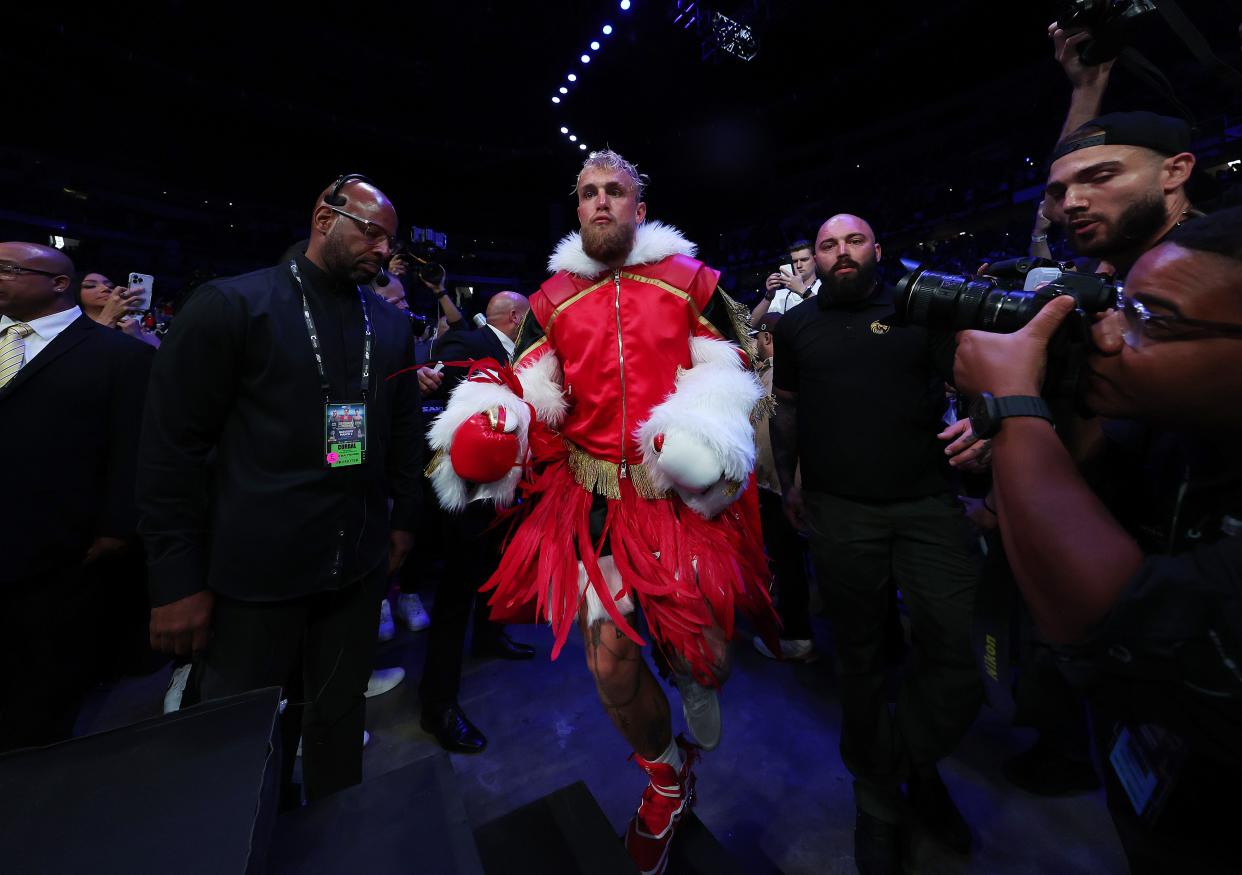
[{"x": 671, "y": 756}]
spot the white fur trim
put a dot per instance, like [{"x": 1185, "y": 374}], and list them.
[
  {"x": 711, "y": 402},
  {"x": 471, "y": 397},
  {"x": 653, "y": 241},
  {"x": 541, "y": 386},
  {"x": 710, "y": 503},
  {"x": 595, "y": 606}
]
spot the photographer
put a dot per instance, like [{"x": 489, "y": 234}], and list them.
[
  {"x": 1156, "y": 632},
  {"x": 1117, "y": 185},
  {"x": 432, "y": 277}
]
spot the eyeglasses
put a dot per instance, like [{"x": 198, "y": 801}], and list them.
[
  {"x": 371, "y": 231},
  {"x": 12, "y": 271},
  {"x": 1141, "y": 322}
]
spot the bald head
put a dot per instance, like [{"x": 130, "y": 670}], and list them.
[
  {"x": 846, "y": 256},
  {"x": 843, "y": 223},
  {"x": 42, "y": 288},
  {"x": 505, "y": 312},
  {"x": 352, "y": 248}
]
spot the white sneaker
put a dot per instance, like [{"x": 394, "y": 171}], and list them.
[
  {"x": 701, "y": 707},
  {"x": 411, "y": 612},
  {"x": 176, "y": 688},
  {"x": 792, "y": 650},
  {"x": 384, "y": 679},
  {"x": 386, "y": 628}
]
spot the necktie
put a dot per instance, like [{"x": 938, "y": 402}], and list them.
[{"x": 13, "y": 350}]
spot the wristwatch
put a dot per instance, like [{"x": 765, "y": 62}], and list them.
[
  {"x": 442, "y": 294},
  {"x": 987, "y": 412}
]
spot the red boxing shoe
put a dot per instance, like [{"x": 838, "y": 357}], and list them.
[{"x": 666, "y": 798}]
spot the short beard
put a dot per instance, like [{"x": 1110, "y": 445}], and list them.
[
  {"x": 850, "y": 288},
  {"x": 610, "y": 243},
  {"x": 1138, "y": 223},
  {"x": 340, "y": 266}
]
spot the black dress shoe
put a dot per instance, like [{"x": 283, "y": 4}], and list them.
[
  {"x": 936, "y": 809},
  {"x": 501, "y": 646},
  {"x": 876, "y": 848},
  {"x": 453, "y": 729}
]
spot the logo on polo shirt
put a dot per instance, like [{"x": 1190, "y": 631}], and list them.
[{"x": 878, "y": 327}]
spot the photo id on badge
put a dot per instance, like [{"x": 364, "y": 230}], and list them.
[{"x": 345, "y": 433}]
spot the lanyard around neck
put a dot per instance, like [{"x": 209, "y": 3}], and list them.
[{"x": 314, "y": 338}]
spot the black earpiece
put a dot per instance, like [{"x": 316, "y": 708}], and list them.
[{"x": 334, "y": 198}]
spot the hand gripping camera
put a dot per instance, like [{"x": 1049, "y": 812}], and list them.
[{"x": 1006, "y": 298}]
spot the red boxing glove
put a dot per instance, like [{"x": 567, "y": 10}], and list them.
[{"x": 485, "y": 446}]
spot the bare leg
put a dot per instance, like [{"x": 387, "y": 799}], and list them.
[
  {"x": 714, "y": 641},
  {"x": 632, "y": 696}
]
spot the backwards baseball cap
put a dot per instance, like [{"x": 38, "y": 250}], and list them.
[
  {"x": 1160, "y": 133},
  {"x": 769, "y": 322}
]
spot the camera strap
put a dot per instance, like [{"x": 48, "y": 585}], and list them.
[
  {"x": 1153, "y": 77},
  {"x": 1198, "y": 45},
  {"x": 1137, "y": 64}
]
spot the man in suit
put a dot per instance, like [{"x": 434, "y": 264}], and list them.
[
  {"x": 71, "y": 394},
  {"x": 472, "y": 550},
  {"x": 265, "y": 512}
]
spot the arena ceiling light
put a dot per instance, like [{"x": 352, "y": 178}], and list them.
[{"x": 562, "y": 90}]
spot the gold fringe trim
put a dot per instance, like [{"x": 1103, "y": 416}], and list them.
[
  {"x": 604, "y": 478},
  {"x": 595, "y": 475},
  {"x": 739, "y": 318},
  {"x": 434, "y": 463},
  {"x": 640, "y": 476},
  {"x": 763, "y": 409}
]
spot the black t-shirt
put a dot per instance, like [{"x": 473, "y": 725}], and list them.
[{"x": 870, "y": 398}]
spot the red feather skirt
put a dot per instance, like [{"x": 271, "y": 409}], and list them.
[{"x": 687, "y": 573}]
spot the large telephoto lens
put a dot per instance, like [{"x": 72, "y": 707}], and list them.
[{"x": 956, "y": 302}]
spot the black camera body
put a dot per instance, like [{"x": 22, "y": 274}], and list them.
[
  {"x": 997, "y": 302},
  {"x": 1110, "y": 22},
  {"x": 419, "y": 256}
]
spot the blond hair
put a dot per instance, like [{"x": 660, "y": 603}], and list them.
[{"x": 610, "y": 160}]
